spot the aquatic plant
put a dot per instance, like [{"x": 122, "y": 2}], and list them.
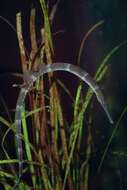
[{"x": 50, "y": 157}]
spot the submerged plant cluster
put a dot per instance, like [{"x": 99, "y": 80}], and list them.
[{"x": 54, "y": 154}]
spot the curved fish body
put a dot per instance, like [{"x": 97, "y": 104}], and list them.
[{"x": 32, "y": 77}]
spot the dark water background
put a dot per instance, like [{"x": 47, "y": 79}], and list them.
[{"x": 76, "y": 18}]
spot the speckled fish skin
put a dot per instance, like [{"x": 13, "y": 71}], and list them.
[{"x": 32, "y": 77}]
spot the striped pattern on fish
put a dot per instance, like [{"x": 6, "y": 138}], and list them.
[{"x": 32, "y": 77}]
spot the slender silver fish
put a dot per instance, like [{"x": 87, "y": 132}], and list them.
[{"x": 32, "y": 77}]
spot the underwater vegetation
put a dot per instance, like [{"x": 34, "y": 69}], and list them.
[{"x": 54, "y": 148}]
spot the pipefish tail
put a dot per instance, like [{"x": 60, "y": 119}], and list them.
[{"x": 31, "y": 78}]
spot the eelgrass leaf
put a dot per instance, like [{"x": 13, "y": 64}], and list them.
[
  {"x": 65, "y": 88},
  {"x": 27, "y": 147},
  {"x": 85, "y": 37},
  {"x": 5, "y": 174},
  {"x": 101, "y": 72},
  {"x": 2, "y": 143},
  {"x": 6, "y": 108},
  {"x": 10, "y": 161},
  {"x": 5, "y": 122},
  {"x": 77, "y": 100},
  {"x": 70, "y": 156},
  {"x": 46, "y": 23},
  {"x": 111, "y": 137},
  {"x": 9, "y": 23},
  {"x": 107, "y": 58}
]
